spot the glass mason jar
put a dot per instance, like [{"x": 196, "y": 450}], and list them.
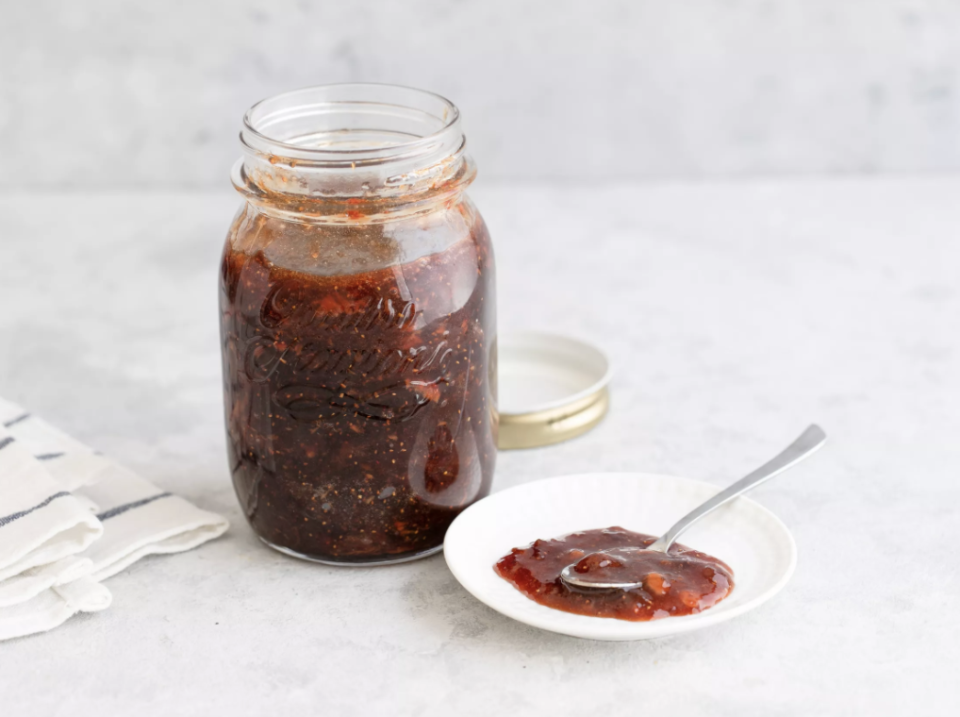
[{"x": 358, "y": 325}]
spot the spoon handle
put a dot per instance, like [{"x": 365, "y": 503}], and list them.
[{"x": 808, "y": 442}]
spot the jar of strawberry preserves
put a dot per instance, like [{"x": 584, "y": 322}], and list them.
[{"x": 358, "y": 325}]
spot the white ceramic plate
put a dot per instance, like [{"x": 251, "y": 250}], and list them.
[{"x": 748, "y": 537}]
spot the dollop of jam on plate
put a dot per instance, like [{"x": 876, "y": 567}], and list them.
[{"x": 681, "y": 582}]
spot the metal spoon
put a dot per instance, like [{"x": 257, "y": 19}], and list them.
[{"x": 808, "y": 442}]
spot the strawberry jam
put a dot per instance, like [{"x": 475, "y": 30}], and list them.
[
  {"x": 682, "y": 582},
  {"x": 359, "y": 371}
]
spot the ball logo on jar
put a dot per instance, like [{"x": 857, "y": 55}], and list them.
[{"x": 304, "y": 351}]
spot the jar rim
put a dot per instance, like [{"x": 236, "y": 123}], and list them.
[{"x": 332, "y": 108}]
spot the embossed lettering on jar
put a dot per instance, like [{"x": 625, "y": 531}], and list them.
[{"x": 358, "y": 325}]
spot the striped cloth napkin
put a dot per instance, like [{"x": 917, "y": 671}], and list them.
[{"x": 69, "y": 518}]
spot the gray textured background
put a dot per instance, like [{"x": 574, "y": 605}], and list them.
[{"x": 106, "y": 94}]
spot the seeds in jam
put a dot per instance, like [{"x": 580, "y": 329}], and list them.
[{"x": 682, "y": 582}]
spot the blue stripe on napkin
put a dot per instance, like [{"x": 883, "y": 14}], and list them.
[
  {"x": 16, "y": 420},
  {"x": 107, "y": 514},
  {"x": 14, "y": 516}
]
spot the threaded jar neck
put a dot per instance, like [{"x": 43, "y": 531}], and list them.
[{"x": 352, "y": 143}]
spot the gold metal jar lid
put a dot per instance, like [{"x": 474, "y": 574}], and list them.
[{"x": 551, "y": 388}]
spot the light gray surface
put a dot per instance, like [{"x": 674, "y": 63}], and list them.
[
  {"x": 737, "y": 314},
  {"x": 121, "y": 93}
]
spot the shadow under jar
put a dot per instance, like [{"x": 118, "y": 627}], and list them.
[{"x": 358, "y": 325}]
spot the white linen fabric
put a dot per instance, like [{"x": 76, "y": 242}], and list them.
[{"x": 70, "y": 518}]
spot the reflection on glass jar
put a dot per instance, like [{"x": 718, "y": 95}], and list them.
[{"x": 358, "y": 325}]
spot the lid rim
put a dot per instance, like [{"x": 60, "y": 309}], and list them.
[{"x": 537, "y": 432}]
